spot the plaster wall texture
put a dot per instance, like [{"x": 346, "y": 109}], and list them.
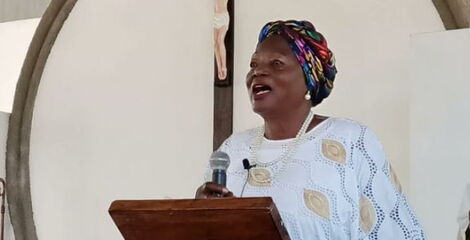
[
  {"x": 124, "y": 111},
  {"x": 439, "y": 131},
  {"x": 126, "y": 99}
]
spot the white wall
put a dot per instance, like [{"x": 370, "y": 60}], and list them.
[
  {"x": 439, "y": 132},
  {"x": 14, "y": 42},
  {"x": 124, "y": 111},
  {"x": 3, "y": 140},
  {"x": 126, "y": 97}
]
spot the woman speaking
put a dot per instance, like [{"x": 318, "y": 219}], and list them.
[{"x": 328, "y": 176}]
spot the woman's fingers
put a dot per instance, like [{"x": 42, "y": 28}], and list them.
[
  {"x": 209, "y": 190},
  {"x": 216, "y": 188},
  {"x": 229, "y": 194}
]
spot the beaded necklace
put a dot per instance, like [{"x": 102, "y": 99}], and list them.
[{"x": 291, "y": 147}]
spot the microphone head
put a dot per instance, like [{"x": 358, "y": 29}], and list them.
[
  {"x": 219, "y": 160},
  {"x": 246, "y": 164}
]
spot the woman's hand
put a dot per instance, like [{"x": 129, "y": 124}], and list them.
[{"x": 212, "y": 190}]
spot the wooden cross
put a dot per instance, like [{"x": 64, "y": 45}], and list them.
[{"x": 223, "y": 89}]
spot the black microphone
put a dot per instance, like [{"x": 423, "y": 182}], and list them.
[
  {"x": 219, "y": 163},
  {"x": 247, "y": 165}
]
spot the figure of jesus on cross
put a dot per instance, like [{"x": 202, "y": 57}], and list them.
[
  {"x": 221, "y": 24},
  {"x": 223, "y": 70}
]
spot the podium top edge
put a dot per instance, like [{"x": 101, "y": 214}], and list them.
[{"x": 192, "y": 204}]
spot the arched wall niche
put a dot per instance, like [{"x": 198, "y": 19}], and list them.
[
  {"x": 144, "y": 111},
  {"x": 17, "y": 162},
  {"x": 455, "y": 14},
  {"x": 91, "y": 121}
]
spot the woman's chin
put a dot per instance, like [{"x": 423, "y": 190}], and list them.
[{"x": 262, "y": 109}]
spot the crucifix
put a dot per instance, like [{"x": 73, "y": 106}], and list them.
[{"x": 223, "y": 70}]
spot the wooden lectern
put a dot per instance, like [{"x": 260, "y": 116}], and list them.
[{"x": 199, "y": 219}]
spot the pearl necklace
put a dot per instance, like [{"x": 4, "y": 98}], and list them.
[{"x": 291, "y": 147}]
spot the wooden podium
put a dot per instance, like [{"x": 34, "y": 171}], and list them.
[{"x": 199, "y": 219}]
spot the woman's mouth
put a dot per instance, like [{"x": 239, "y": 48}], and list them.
[{"x": 259, "y": 90}]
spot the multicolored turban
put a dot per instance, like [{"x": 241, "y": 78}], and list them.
[{"x": 311, "y": 50}]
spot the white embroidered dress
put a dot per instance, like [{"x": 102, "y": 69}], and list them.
[{"x": 337, "y": 185}]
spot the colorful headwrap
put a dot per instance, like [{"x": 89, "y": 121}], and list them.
[{"x": 311, "y": 50}]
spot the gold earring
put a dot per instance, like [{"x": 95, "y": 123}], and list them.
[{"x": 307, "y": 96}]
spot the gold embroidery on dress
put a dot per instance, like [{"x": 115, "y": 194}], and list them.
[
  {"x": 395, "y": 180},
  {"x": 368, "y": 217},
  {"x": 260, "y": 177},
  {"x": 317, "y": 203},
  {"x": 334, "y": 151}
]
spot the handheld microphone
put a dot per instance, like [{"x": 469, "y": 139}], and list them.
[{"x": 219, "y": 163}]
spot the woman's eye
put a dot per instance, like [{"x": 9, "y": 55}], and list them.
[
  {"x": 252, "y": 64},
  {"x": 277, "y": 62}
]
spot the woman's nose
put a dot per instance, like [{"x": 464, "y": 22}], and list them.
[{"x": 259, "y": 71}]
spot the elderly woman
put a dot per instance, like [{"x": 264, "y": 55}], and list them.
[{"x": 328, "y": 176}]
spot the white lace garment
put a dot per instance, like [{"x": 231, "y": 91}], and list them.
[{"x": 337, "y": 185}]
